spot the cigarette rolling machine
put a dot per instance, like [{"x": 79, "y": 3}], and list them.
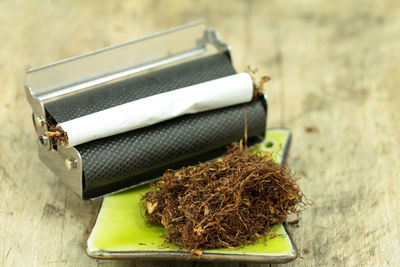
[{"x": 178, "y": 88}]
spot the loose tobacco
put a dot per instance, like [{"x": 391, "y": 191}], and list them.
[
  {"x": 57, "y": 134},
  {"x": 225, "y": 203}
]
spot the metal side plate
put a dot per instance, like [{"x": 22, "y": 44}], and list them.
[{"x": 120, "y": 231}]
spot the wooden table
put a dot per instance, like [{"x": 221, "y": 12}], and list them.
[{"x": 335, "y": 68}]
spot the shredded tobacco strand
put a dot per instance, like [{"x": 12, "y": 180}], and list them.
[
  {"x": 258, "y": 88},
  {"x": 225, "y": 203},
  {"x": 57, "y": 134}
]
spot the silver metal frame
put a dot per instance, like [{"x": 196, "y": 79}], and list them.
[{"x": 91, "y": 70}]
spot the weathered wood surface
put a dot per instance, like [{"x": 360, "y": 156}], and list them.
[{"x": 335, "y": 66}]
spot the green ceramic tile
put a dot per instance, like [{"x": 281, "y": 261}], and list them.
[{"x": 120, "y": 230}]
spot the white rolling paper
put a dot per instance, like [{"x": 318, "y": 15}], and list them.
[{"x": 223, "y": 92}]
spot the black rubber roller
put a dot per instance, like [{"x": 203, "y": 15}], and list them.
[{"x": 131, "y": 158}]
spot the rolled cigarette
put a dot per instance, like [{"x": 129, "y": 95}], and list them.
[{"x": 219, "y": 93}]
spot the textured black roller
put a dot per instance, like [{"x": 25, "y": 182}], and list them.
[{"x": 123, "y": 160}]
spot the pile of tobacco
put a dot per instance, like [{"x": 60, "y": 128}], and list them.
[{"x": 226, "y": 203}]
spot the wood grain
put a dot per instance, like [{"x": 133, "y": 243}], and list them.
[{"x": 334, "y": 66}]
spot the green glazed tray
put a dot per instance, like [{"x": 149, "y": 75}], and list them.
[{"x": 120, "y": 231}]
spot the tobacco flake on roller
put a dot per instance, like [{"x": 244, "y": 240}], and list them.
[{"x": 58, "y": 135}]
